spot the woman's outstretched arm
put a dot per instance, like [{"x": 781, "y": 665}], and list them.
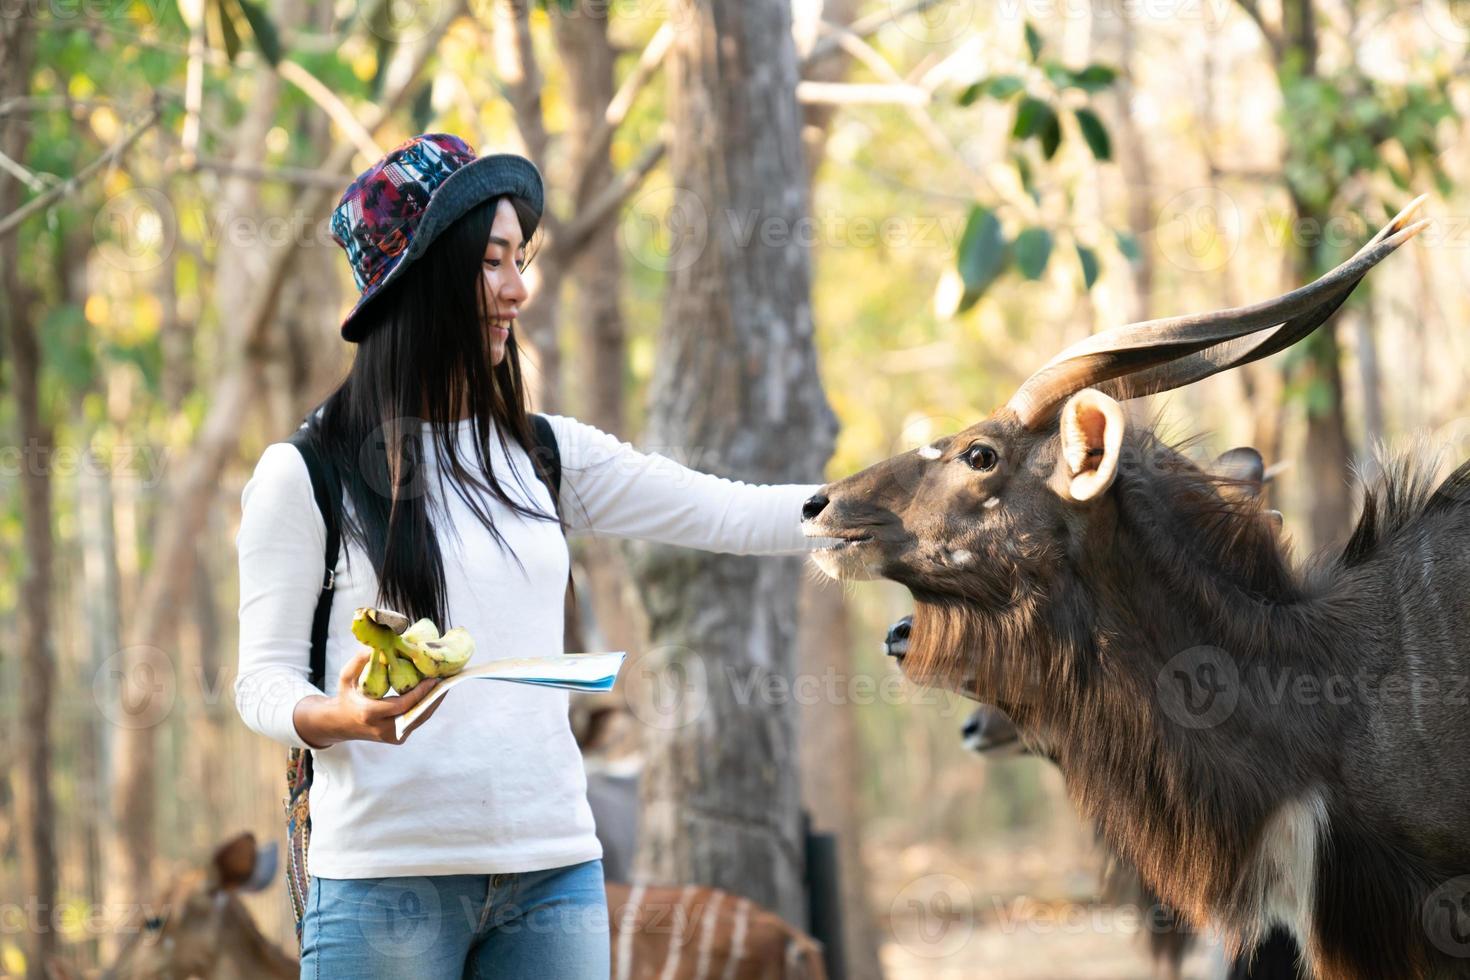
[{"x": 610, "y": 488}]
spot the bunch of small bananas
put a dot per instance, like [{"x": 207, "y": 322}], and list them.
[{"x": 403, "y": 655}]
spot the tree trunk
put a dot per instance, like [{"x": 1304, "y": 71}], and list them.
[
  {"x": 833, "y": 764},
  {"x": 1133, "y": 155},
  {"x": 597, "y": 271},
  {"x": 596, "y": 277},
  {"x": 737, "y": 379},
  {"x": 100, "y": 601},
  {"x": 831, "y": 752},
  {"x": 133, "y": 846},
  {"x": 520, "y": 77},
  {"x": 31, "y": 782}
]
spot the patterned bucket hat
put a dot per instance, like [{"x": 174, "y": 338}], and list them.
[{"x": 398, "y": 206}]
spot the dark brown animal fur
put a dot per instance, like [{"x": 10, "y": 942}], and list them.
[{"x": 1068, "y": 616}]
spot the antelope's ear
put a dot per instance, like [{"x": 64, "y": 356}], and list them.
[
  {"x": 1092, "y": 440},
  {"x": 233, "y": 862}
]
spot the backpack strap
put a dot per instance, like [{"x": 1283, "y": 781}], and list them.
[
  {"x": 328, "y": 492},
  {"x": 548, "y": 453}
]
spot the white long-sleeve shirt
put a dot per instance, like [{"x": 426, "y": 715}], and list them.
[{"x": 493, "y": 783}]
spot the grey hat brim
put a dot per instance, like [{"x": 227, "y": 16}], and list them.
[{"x": 484, "y": 179}]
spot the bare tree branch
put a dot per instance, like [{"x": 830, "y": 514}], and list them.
[
  {"x": 605, "y": 205},
  {"x": 622, "y": 101},
  {"x": 864, "y": 27},
  {"x": 857, "y": 93},
  {"x": 300, "y": 176},
  {"x": 1270, "y": 33},
  {"x": 70, "y": 185},
  {"x": 520, "y": 75},
  {"x": 334, "y": 107}
]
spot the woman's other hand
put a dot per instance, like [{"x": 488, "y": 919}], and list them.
[{"x": 322, "y": 721}]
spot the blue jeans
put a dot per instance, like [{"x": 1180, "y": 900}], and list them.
[{"x": 537, "y": 924}]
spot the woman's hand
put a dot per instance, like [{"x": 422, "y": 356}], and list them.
[{"x": 322, "y": 721}]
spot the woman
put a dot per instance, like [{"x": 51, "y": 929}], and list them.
[{"x": 468, "y": 849}]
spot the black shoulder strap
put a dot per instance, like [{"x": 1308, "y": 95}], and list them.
[
  {"x": 547, "y": 451},
  {"x": 328, "y": 492}
]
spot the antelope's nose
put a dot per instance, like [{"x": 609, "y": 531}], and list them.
[
  {"x": 814, "y": 505},
  {"x": 972, "y": 727},
  {"x": 896, "y": 643}
]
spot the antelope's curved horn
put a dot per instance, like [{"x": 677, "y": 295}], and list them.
[{"x": 1159, "y": 355}]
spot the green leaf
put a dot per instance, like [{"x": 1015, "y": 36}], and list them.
[
  {"x": 1088, "y": 258},
  {"x": 1023, "y": 169},
  {"x": 1095, "y": 133},
  {"x": 1128, "y": 245},
  {"x": 1033, "y": 41},
  {"x": 1094, "y": 78},
  {"x": 982, "y": 254},
  {"x": 997, "y": 87},
  {"x": 1028, "y": 112},
  {"x": 264, "y": 29},
  {"x": 1060, "y": 75},
  {"x": 1050, "y": 133},
  {"x": 220, "y": 28},
  {"x": 1005, "y": 86},
  {"x": 1033, "y": 249}
]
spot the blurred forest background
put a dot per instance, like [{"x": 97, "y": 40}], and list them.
[{"x": 786, "y": 238}]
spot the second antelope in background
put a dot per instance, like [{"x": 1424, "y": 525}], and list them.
[{"x": 1265, "y": 746}]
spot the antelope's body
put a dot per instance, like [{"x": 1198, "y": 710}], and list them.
[
  {"x": 698, "y": 933},
  {"x": 1265, "y": 746}
]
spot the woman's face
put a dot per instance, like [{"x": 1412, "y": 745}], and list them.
[{"x": 503, "y": 288}]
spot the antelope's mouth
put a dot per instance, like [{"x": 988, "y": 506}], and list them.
[
  {"x": 835, "y": 540},
  {"x": 844, "y": 554}
]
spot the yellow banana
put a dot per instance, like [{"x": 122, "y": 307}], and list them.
[
  {"x": 452, "y": 650},
  {"x": 406, "y": 654},
  {"x": 373, "y": 681},
  {"x": 401, "y": 673}
]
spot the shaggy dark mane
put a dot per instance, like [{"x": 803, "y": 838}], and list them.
[{"x": 1404, "y": 493}]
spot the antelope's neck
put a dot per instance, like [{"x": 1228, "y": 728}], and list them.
[{"x": 1193, "y": 683}]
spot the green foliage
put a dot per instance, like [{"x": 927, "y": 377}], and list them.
[
  {"x": 983, "y": 254},
  {"x": 1344, "y": 126},
  {"x": 66, "y": 347},
  {"x": 1094, "y": 78},
  {"x": 1090, "y": 267},
  {"x": 1095, "y": 133},
  {"x": 996, "y": 86},
  {"x": 1033, "y": 41},
  {"x": 1128, "y": 245},
  {"x": 264, "y": 30},
  {"x": 1042, "y": 93},
  {"x": 1032, "y": 250}
]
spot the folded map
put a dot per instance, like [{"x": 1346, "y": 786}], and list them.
[{"x": 572, "y": 671}]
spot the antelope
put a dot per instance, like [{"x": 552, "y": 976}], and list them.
[
  {"x": 988, "y": 731},
  {"x": 1267, "y": 746},
  {"x": 691, "y": 933}
]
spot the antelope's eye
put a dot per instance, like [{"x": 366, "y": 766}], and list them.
[
  {"x": 153, "y": 923},
  {"x": 980, "y": 457}
]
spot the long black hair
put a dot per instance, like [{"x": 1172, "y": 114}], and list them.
[{"x": 425, "y": 358}]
